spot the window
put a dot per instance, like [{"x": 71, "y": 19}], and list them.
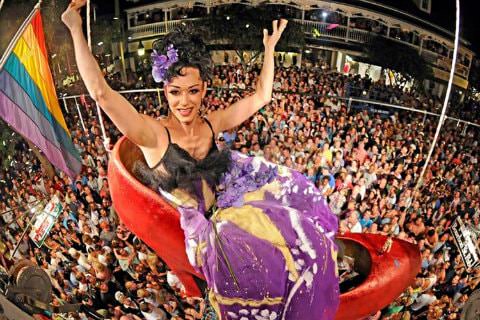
[{"x": 425, "y": 5}]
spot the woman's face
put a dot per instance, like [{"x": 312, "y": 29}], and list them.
[{"x": 185, "y": 93}]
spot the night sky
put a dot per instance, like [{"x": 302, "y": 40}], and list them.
[{"x": 470, "y": 22}]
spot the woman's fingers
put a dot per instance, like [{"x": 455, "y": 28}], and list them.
[
  {"x": 275, "y": 26},
  {"x": 77, "y": 4},
  {"x": 283, "y": 24}
]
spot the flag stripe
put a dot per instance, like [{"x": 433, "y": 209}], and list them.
[
  {"x": 31, "y": 57},
  {"x": 38, "y": 30},
  {"x": 17, "y": 70},
  {"x": 26, "y": 127},
  {"x": 49, "y": 128}
]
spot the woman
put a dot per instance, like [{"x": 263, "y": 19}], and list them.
[{"x": 261, "y": 234}]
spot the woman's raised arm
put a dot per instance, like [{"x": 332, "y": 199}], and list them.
[
  {"x": 132, "y": 124},
  {"x": 243, "y": 109}
]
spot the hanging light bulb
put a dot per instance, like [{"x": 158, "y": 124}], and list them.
[{"x": 141, "y": 49}]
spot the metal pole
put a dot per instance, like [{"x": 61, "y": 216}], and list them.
[
  {"x": 447, "y": 96},
  {"x": 102, "y": 126},
  {"x": 80, "y": 114},
  {"x": 17, "y": 35},
  {"x": 65, "y": 105},
  {"x": 159, "y": 98}
]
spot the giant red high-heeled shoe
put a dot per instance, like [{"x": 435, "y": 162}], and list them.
[{"x": 157, "y": 223}]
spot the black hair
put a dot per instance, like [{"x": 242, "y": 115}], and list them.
[{"x": 192, "y": 52}]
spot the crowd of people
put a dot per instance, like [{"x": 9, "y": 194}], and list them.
[{"x": 366, "y": 163}]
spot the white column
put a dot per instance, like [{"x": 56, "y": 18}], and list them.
[
  {"x": 165, "y": 15},
  {"x": 348, "y": 29}
]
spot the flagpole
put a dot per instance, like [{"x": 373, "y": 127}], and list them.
[{"x": 17, "y": 35}]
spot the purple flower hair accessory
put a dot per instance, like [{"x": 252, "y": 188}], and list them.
[{"x": 161, "y": 63}]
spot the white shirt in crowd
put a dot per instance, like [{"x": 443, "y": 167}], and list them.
[
  {"x": 423, "y": 300},
  {"x": 155, "y": 314}
]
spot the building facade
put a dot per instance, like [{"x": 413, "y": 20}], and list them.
[{"x": 337, "y": 31}]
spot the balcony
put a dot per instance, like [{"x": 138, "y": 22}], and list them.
[{"x": 338, "y": 33}]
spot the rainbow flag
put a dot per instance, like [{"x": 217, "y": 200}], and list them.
[{"x": 28, "y": 101}]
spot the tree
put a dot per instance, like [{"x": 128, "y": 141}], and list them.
[
  {"x": 241, "y": 28},
  {"x": 403, "y": 60}
]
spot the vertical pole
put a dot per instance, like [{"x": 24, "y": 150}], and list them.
[
  {"x": 65, "y": 105},
  {"x": 159, "y": 98},
  {"x": 447, "y": 96},
  {"x": 80, "y": 115},
  {"x": 100, "y": 119}
]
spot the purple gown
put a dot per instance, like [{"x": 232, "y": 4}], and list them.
[{"x": 267, "y": 252}]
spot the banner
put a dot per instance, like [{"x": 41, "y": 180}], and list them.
[
  {"x": 466, "y": 245},
  {"x": 44, "y": 221}
]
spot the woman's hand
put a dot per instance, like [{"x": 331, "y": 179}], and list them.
[
  {"x": 71, "y": 17},
  {"x": 270, "y": 41}
]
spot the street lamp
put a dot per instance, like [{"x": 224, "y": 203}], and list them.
[{"x": 141, "y": 49}]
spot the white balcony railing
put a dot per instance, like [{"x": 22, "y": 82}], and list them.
[
  {"x": 156, "y": 29},
  {"x": 311, "y": 27}
]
